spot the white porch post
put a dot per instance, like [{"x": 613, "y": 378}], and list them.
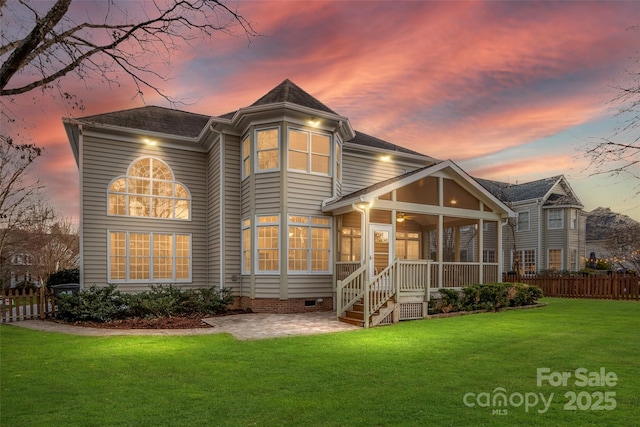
[
  {"x": 481, "y": 250},
  {"x": 500, "y": 254},
  {"x": 440, "y": 250}
]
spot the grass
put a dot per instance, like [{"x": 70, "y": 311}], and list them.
[{"x": 413, "y": 373}]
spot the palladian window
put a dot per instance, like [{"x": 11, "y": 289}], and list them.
[{"x": 149, "y": 190}]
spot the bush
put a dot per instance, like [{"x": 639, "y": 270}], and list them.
[
  {"x": 450, "y": 300},
  {"x": 94, "y": 305},
  {"x": 108, "y": 304},
  {"x": 524, "y": 295},
  {"x": 71, "y": 275}
]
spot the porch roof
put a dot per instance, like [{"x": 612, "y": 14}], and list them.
[{"x": 369, "y": 194}]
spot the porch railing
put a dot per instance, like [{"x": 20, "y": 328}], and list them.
[
  {"x": 463, "y": 274},
  {"x": 351, "y": 289},
  {"x": 345, "y": 268}
]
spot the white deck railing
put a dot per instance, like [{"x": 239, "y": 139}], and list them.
[{"x": 351, "y": 289}]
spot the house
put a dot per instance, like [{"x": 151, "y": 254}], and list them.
[
  {"x": 549, "y": 231},
  {"x": 281, "y": 201}
]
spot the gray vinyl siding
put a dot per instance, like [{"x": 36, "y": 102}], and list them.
[
  {"x": 306, "y": 286},
  {"x": 305, "y": 193},
  {"x": 360, "y": 172},
  {"x": 232, "y": 249},
  {"x": 267, "y": 286},
  {"x": 267, "y": 193},
  {"x": 213, "y": 219},
  {"x": 104, "y": 160}
]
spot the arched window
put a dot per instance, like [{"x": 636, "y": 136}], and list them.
[{"x": 149, "y": 190}]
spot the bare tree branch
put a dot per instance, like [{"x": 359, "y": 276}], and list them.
[{"x": 120, "y": 40}]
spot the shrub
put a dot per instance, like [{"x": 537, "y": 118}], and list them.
[
  {"x": 94, "y": 305},
  {"x": 450, "y": 300},
  {"x": 525, "y": 295},
  {"x": 108, "y": 304},
  {"x": 71, "y": 275}
]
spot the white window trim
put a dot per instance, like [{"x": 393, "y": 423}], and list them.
[
  {"x": 522, "y": 259},
  {"x": 255, "y": 249},
  {"x": 561, "y": 258},
  {"x": 151, "y": 280},
  {"x": 309, "y": 152},
  {"x": 572, "y": 213},
  {"x": 309, "y": 226},
  {"x": 485, "y": 255},
  {"x": 242, "y": 248},
  {"x": 254, "y": 150},
  {"x": 518, "y": 229},
  {"x": 561, "y": 219},
  {"x": 243, "y": 158},
  {"x": 127, "y": 194}
]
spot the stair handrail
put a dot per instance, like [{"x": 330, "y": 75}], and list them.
[
  {"x": 356, "y": 283},
  {"x": 379, "y": 290}
]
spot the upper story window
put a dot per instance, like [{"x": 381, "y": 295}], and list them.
[
  {"x": 574, "y": 219},
  {"x": 309, "y": 152},
  {"x": 267, "y": 149},
  {"x": 149, "y": 190},
  {"x": 555, "y": 219},
  {"x": 246, "y": 157},
  {"x": 523, "y": 221}
]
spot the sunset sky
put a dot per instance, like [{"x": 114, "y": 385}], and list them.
[{"x": 511, "y": 91}]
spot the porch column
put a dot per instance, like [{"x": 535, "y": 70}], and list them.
[
  {"x": 481, "y": 250},
  {"x": 500, "y": 254},
  {"x": 440, "y": 249}
]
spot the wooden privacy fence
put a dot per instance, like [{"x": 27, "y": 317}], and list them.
[
  {"x": 609, "y": 286},
  {"x": 24, "y": 305}
]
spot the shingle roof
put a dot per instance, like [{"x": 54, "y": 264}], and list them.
[
  {"x": 531, "y": 191},
  {"x": 371, "y": 141},
  {"x": 154, "y": 119},
  {"x": 287, "y": 91}
]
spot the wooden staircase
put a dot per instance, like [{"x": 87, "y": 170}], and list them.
[{"x": 355, "y": 315}]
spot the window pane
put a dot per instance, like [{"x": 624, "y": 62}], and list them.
[
  {"x": 247, "y": 167},
  {"x": 141, "y": 168},
  {"x": 297, "y": 260},
  {"x": 267, "y": 139},
  {"x": 298, "y": 141},
  {"x": 298, "y": 160},
  {"x": 138, "y": 206},
  {"x": 161, "y": 171},
  {"x": 162, "y": 208},
  {"x": 139, "y": 186},
  {"x": 139, "y": 256},
  {"x": 182, "y": 209},
  {"x": 320, "y": 164},
  {"x": 246, "y": 236},
  {"x": 162, "y": 188},
  {"x": 320, "y": 144},
  {"x": 268, "y": 159},
  {"x": 117, "y": 252},
  {"x": 117, "y": 204},
  {"x": 119, "y": 186}
]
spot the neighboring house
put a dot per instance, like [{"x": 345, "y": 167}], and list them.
[
  {"x": 549, "y": 231},
  {"x": 281, "y": 201}
]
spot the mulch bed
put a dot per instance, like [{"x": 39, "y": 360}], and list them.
[{"x": 157, "y": 323}]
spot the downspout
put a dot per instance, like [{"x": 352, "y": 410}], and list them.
[
  {"x": 540, "y": 222},
  {"x": 364, "y": 226},
  {"x": 80, "y": 219}
]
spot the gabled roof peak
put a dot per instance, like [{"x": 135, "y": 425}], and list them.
[{"x": 287, "y": 91}]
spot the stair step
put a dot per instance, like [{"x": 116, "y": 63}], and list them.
[
  {"x": 355, "y": 314},
  {"x": 351, "y": 321}
]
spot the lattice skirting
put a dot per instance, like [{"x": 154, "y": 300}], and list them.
[
  {"x": 388, "y": 320},
  {"x": 410, "y": 310}
]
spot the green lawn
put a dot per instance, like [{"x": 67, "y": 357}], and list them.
[{"x": 413, "y": 373}]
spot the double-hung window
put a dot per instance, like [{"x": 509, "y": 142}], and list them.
[
  {"x": 268, "y": 149},
  {"x": 309, "y": 152},
  {"x": 268, "y": 249},
  {"x": 555, "y": 219},
  {"x": 407, "y": 245},
  {"x": 350, "y": 244},
  {"x": 554, "y": 259},
  {"x": 246, "y": 157},
  {"x": 246, "y": 246},
  {"x": 309, "y": 244},
  {"x": 523, "y": 221}
]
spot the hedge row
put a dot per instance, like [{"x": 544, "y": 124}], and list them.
[{"x": 107, "y": 304}]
